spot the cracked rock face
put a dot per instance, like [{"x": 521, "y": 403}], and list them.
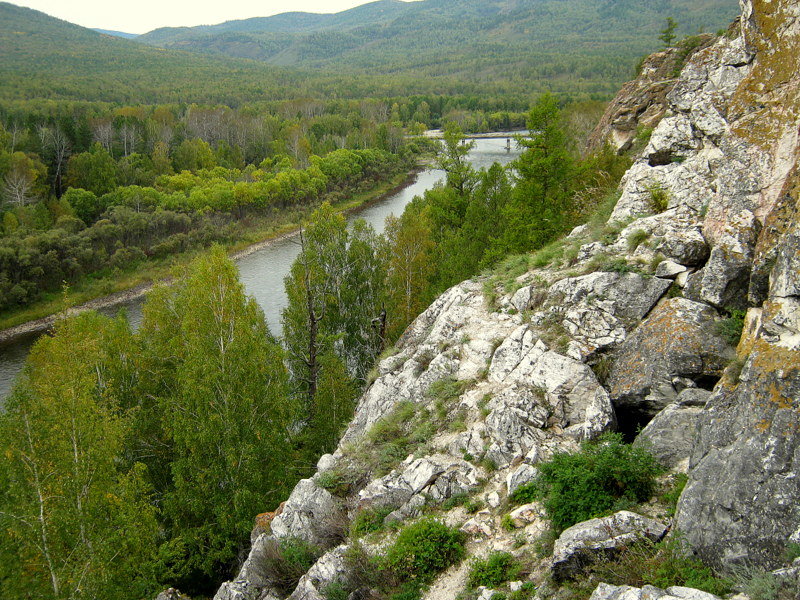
[
  {"x": 678, "y": 341},
  {"x": 670, "y": 436}
]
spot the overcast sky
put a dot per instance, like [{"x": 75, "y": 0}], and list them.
[{"x": 141, "y": 16}]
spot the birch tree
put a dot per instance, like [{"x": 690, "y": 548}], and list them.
[{"x": 77, "y": 522}]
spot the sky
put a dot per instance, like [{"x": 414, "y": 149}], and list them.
[{"x": 142, "y": 16}]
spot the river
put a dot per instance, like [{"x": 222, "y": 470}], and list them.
[{"x": 262, "y": 271}]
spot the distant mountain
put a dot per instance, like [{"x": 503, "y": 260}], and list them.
[
  {"x": 487, "y": 48},
  {"x": 474, "y": 40},
  {"x": 44, "y": 57},
  {"x": 119, "y": 34}
]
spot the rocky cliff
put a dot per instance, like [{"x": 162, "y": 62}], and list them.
[{"x": 623, "y": 325}]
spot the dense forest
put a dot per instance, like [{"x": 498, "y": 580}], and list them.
[
  {"x": 137, "y": 460},
  {"x": 580, "y": 46},
  {"x": 90, "y": 191},
  {"x": 497, "y": 49}
]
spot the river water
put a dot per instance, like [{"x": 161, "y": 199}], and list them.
[{"x": 263, "y": 271}]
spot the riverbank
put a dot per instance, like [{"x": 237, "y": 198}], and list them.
[{"x": 96, "y": 294}]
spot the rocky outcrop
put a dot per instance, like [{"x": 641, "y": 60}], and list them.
[
  {"x": 596, "y": 539},
  {"x": 677, "y": 346},
  {"x": 708, "y": 211},
  {"x": 670, "y": 436},
  {"x": 642, "y": 102},
  {"x": 605, "y": 591}
]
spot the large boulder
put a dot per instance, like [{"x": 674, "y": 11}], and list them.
[
  {"x": 311, "y": 513},
  {"x": 599, "y": 308},
  {"x": 416, "y": 482},
  {"x": 595, "y": 539},
  {"x": 330, "y": 568},
  {"x": 678, "y": 342},
  {"x": 604, "y": 591},
  {"x": 567, "y": 388},
  {"x": 642, "y": 102},
  {"x": 669, "y": 437}
]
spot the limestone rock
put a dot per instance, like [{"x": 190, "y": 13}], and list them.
[
  {"x": 570, "y": 389},
  {"x": 605, "y": 591},
  {"x": 583, "y": 542},
  {"x": 429, "y": 479},
  {"x": 744, "y": 477},
  {"x": 674, "y": 137},
  {"x": 678, "y": 340},
  {"x": 632, "y": 295},
  {"x": 171, "y": 594},
  {"x": 669, "y": 437},
  {"x": 527, "y": 514},
  {"x": 518, "y": 477},
  {"x": 642, "y": 102},
  {"x": 328, "y": 569},
  {"x": 309, "y": 513},
  {"x": 668, "y": 269}
]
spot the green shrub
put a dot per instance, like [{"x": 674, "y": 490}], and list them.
[
  {"x": 602, "y": 368},
  {"x": 527, "y": 590},
  {"x": 618, "y": 265},
  {"x": 287, "y": 560},
  {"x": 637, "y": 238},
  {"x": 370, "y": 520},
  {"x": 663, "y": 565},
  {"x": 507, "y": 523},
  {"x": 337, "y": 481},
  {"x": 448, "y": 389},
  {"x": 336, "y": 591},
  {"x": 603, "y": 476},
  {"x": 544, "y": 544},
  {"x": 659, "y": 198},
  {"x": 731, "y": 327},
  {"x": 673, "y": 494},
  {"x": 671, "y": 566},
  {"x": 424, "y": 549},
  {"x": 494, "y": 570},
  {"x": 792, "y": 551}
]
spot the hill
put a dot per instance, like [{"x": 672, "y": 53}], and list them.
[
  {"x": 120, "y": 34},
  {"x": 488, "y": 49},
  {"x": 44, "y": 57},
  {"x": 580, "y": 45}
]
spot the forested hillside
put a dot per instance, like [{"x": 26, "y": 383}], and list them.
[
  {"x": 485, "y": 49},
  {"x": 44, "y": 57},
  {"x": 517, "y": 45}
]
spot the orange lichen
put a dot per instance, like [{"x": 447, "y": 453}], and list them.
[{"x": 768, "y": 100}]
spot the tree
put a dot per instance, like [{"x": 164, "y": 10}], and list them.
[
  {"x": 452, "y": 159},
  {"x": 193, "y": 155},
  {"x": 162, "y": 164},
  {"x": 228, "y": 413},
  {"x": 55, "y": 149},
  {"x": 311, "y": 290},
  {"x": 22, "y": 181},
  {"x": 668, "y": 33},
  {"x": 335, "y": 292},
  {"x": 410, "y": 266},
  {"x": 94, "y": 171},
  {"x": 86, "y": 205},
  {"x": 76, "y": 522},
  {"x": 541, "y": 206}
]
